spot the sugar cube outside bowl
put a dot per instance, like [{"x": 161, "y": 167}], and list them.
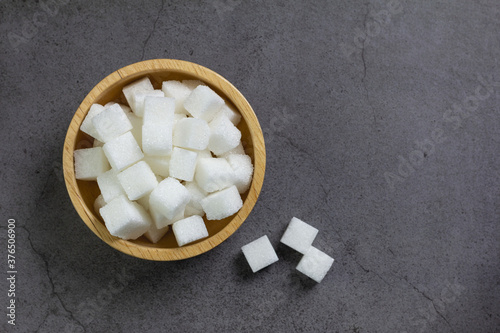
[{"x": 84, "y": 193}]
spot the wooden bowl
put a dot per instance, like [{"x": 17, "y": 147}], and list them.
[{"x": 84, "y": 193}]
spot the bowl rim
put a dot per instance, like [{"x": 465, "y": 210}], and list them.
[{"x": 136, "y": 71}]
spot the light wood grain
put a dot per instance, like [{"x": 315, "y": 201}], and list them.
[{"x": 84, "y": 193}]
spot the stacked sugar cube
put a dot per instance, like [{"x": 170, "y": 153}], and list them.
[
  {"x": 169, "y": 158},
  {"x": 299, "y": 236}
]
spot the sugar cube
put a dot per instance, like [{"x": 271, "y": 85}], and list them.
[
  {"x": 154, "y": 234},
  {"x": 98, "y": 204},
  {"x": 109, "y": 185},
  {"x": 159, "y": 164},
  {"x": 144, "y": 201},
  {"x": 259, "y": 253},
  {"x": 161, "y": 221},
  {"x": 213, "y": 174},
  {"x": 125, "y": 108},
  {"x": 299, "y": 235},
  {"x": 86, "y": 125},
  {"x": 111, "y": 123},
  {"x": 158, "y": 125},
  {"x": 122, "y": 151},
  {"x": 138, "y": 106},
  {"x": 233, "y": 115},
  {"x": 169, "y": 198},
  {"x": 242, "y": 171},
  {"x": 197, "y": 194},
  {"x": 143, "y": 84},
  {"x": 178, "y": 116},
  {"x": 136, "y": 127},
  {"x": 237, "y": 150},
  {"x": 224, "y": 136},
  {"x": 191, "y": 133},
  {"x": 315, "y": 264},
  {"x": 182, "y": 164},
  {"x": 189, "y": 230},
  {"x": 191, "y": 84},
  {"x": 179, "y": 91},
  {"x": 204, "y": 154},
  {"x": 203, "y": 103},
  {"x": 137, "y": 180},
  {"x": 90, "y": 163},
  {"x": 222, "y": 204},
  {"x": 125, "y": 219}
]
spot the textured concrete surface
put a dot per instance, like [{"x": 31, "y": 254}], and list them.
[{"x": 344, "y": 91}]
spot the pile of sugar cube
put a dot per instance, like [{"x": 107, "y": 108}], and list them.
[
  {"x": 169, "y": 158},
  {"x": 299, "y": 236}
]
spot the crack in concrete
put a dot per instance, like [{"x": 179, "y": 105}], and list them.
[
  {"x": 53, "y": 292},
  {"x": 152, "y": 30},
  {"x": 371, "y": 270},
  {"x": 431, "y": 300},
  {"x": 363, "y": 82},
  {"x": 326, "y": 191},
  {"x": 43, "y": 321},
  {"x": 354, "y": 257}
]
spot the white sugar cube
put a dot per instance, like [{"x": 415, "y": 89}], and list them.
[
  {"x": 299, "y": 235},
  {"x": 189, "y": 230},
  {"x": 144, "y": 201},
  {"x": 141, "y": 85},
  {"x": 213, "y": 174},
  {"x": 159, "y": 164},
  {"x": 191, "y": 133},
  {"x": 90, "y": 163},
  {"x": 125, "y": 219},
  {"x": 178, "y": 116},
  {"x": 222, "y": 204},
  {"x": 97, "y": 143},
  {"x": 125, "y": 108},
  {"x": 259, "y": 253},
  {"x": 224, "y": 136},
  {"x": 179, "y": 92},
  {"x": 203, "y": 103},
  {"x": 203, "y": 154},
  {"x": 158, "y": 110},
  {"x": 138, "y": 106},
  {"x": 154, "y": 234},
  {"x": 169, "y": 198},
  {"x": 136, "y": 127},
  {"x": 233, "y": 115},
  {"x": 161, "y": 221},
  {"x": 197, "y": 194},
  {"x": 237, "y": 150},
  {"x": 109, "y": 185},
  {"x": 158, "y": 125},
  {"x": 137, "y": 180},
  {"x": 86, "y": 125},
  {"x": 111, "y": 123},
  {"x": 182, "y": 164},
  {"x": 315, "y": 264},
  {"x": 122, "y": 151},
  {"x": 98, "y": 204},
  {"x": 242, "y": 170},
  {"x": 191, "y": 84}
]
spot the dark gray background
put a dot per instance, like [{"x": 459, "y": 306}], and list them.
[{"x": 421, "y": 256}]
